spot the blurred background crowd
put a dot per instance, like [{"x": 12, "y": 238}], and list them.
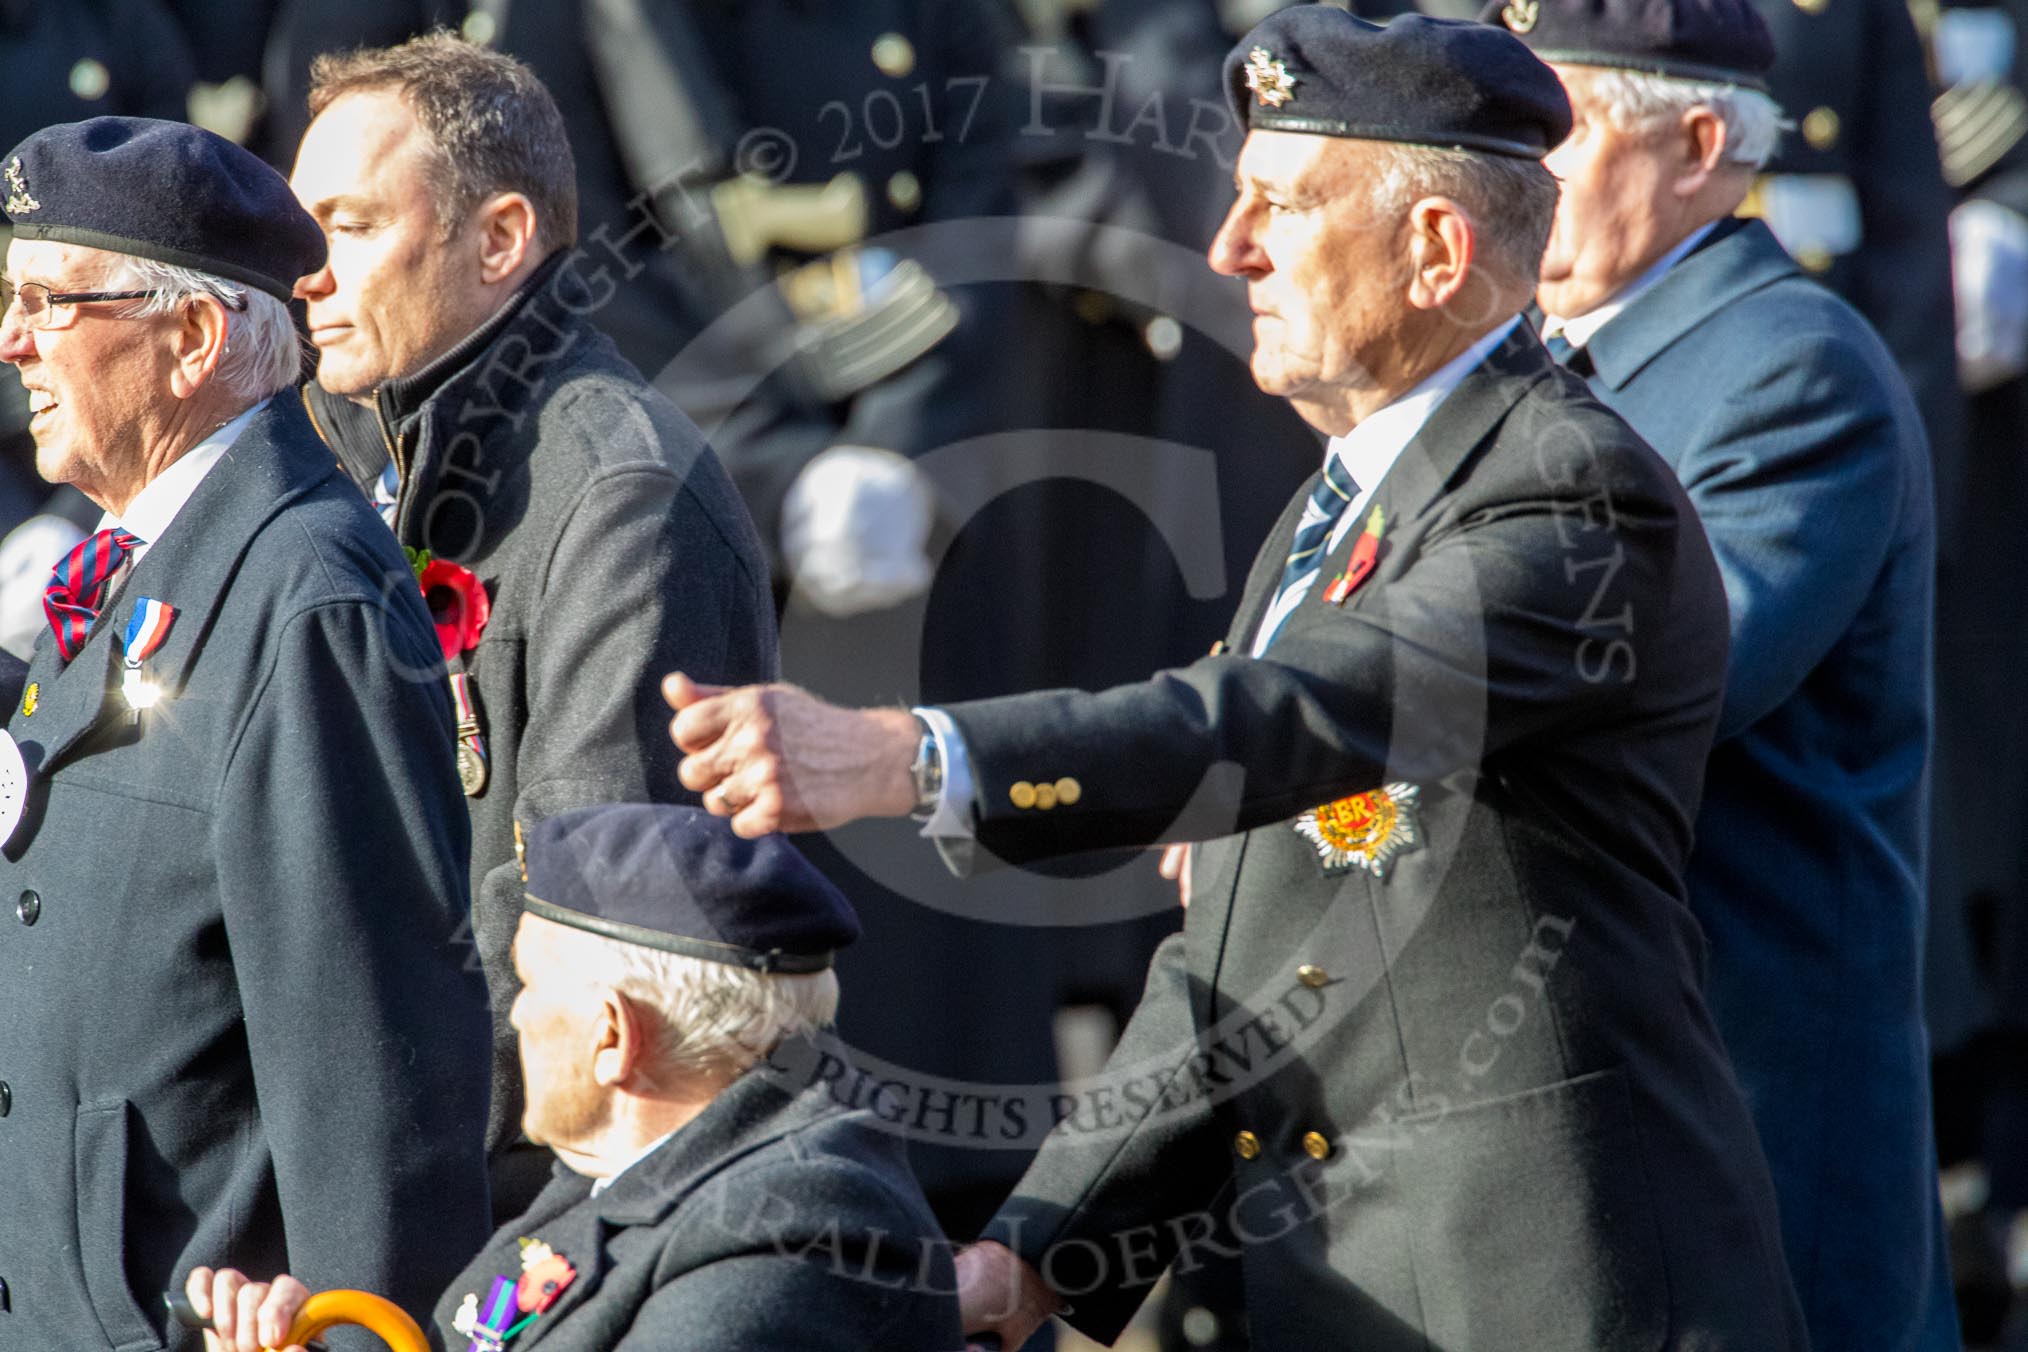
[{"x": 928, "y": 273}]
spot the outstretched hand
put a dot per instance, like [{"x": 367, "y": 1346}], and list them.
[
  {"x": 245, "y": 1316},
  {"x": 1175, "y": 866},
  {"x": 777, "y": 758},
  {"x": 999, "y": 1293}
]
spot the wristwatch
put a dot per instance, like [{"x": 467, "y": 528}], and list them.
[{"x": 927, "y": 771}]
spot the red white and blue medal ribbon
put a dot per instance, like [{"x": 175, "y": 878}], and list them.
[
  {"x": 145, "y": 632},
  {"x": 147, "y": 629}
]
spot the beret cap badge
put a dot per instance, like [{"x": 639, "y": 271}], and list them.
[
  {"x": 1520, "y": 15},
  {"x": 18, "y": 199},
  {"x": 1269, "y": 79}
]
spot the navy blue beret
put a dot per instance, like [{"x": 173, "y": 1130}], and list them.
[
  {"x": 1436, "y": 82},
  {"x": 1716, "y": 41},
  {"x": 162, "y": 190},
  {"x": 677, "y": 879}
]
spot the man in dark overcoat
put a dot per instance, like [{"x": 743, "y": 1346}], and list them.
[
  {"x": 582, "y": 535},
  {"x": 711, "y": 1190},
  {"x": 1795, "y": 435},
  {"x": 236, "y": 1010},
  {"x": 1430, "y": 1058}
]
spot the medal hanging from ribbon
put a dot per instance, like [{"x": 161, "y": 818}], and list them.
[
  {"x": 472, "y": 767},
  {"x": 488, "y": 1326},
  {"x": 513, "y": 1304},
  {"x": 145, "y": 632}
]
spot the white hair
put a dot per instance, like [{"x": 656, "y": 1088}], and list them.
[
  {"x": 263, "y": 353},
  {"x": 702, "y": 1017},
  {"x": 1510, "y": 201},
  {"x": 1634, "y": 99}
]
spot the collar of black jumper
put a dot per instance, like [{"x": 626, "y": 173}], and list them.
[{"x": 400, "y": 401}]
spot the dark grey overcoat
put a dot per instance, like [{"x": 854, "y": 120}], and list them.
[
  {"x": 614, "y": 549},
  {"x": 237, "y": 1024},
  {"x": 1478, "y": 1101},
  {"x": 776, "y": 1219}
]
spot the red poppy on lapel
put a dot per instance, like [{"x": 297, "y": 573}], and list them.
[
  {"x": 458, "y": 606},
  {"x": 1365, "y": 553},
  {"x": 544, "y": 1275}
]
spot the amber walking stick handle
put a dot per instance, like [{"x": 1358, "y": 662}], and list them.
[{"x": 328, "y": 1310}]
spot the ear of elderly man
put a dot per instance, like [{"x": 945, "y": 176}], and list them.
[{"x": 1430, "y": 1062}]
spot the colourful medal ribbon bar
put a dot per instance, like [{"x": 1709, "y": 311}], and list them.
[
  {"x": 147, "y": 629},
  {"x": 461, "y": 695},
  {"x": 495, "y": 1318}
]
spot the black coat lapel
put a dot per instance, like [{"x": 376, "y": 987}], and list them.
[
  {"x": 275, "y": 460},
  {"x": 579, "y": 1235},
  {"x": 751, "y": 1112},
  {"x": 1461, "y": 424},
  {"x": 1417, "y": 482}
]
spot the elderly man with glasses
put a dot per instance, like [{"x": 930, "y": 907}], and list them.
[{"x": 236, "y": 1016}]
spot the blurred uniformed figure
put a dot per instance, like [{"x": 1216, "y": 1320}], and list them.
[
  {"x": 299, "y": 31},
  {"x": 1978, "y": 948},
  {"x": 1856, "y": 195},
  {"x": 750, "y": 162}
]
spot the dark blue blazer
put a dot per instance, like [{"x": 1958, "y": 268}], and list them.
[{"x": 1788, "y": 423}]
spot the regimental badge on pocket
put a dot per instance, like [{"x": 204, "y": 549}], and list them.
[{"x": 1365, "y": 831}]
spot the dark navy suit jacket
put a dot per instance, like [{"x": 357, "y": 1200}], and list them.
[{"x": 1785, "y": 418}]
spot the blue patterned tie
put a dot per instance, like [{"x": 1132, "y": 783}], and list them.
[{"x": 1328, "y": 500}]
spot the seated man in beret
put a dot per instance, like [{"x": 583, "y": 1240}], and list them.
[
  {"x": 237, "y": 1019},
  {"x": 708, "y": 1195}
]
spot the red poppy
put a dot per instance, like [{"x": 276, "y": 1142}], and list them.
[
  {"x": 458, "y": 606},
  {"x": 541, "y": 1284}
]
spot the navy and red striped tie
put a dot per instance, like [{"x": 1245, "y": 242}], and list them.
[{"x": 77, "y": 587}]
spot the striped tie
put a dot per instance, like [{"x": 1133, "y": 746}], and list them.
[
  {"x": 77, "y": 587},
  {"x": 1328, "y": 500}
]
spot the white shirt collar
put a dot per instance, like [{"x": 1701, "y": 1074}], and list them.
[
  {"x": 599, "y": 1185},
  {"x": 1369, "y": 450},
  {"x": 1578, "y": 331},
  {"x": 155, "y": 506}
]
